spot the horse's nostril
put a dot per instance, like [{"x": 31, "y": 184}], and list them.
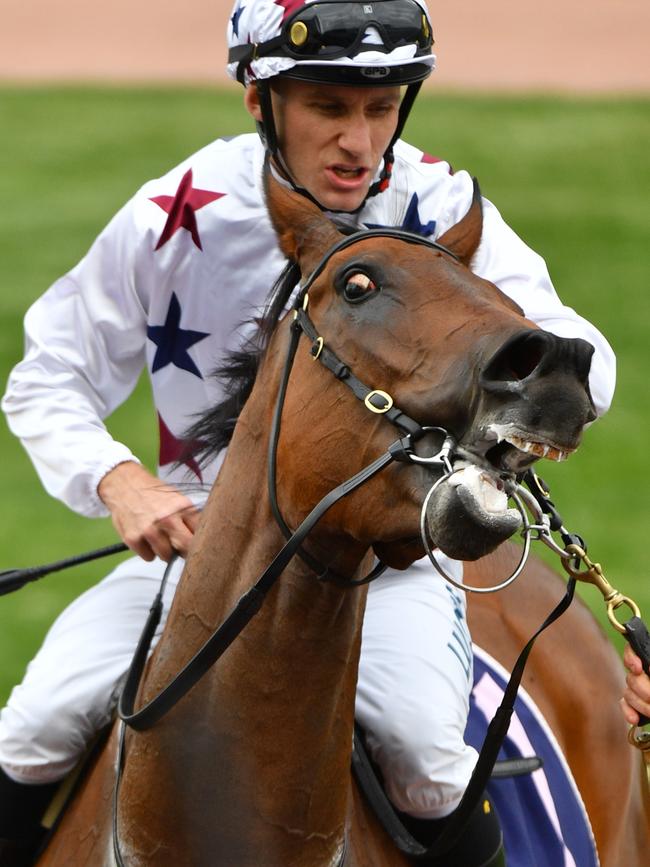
[{"x": 520, "y": 357}]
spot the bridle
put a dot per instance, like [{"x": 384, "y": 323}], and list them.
[{"x": 375, "y": 400}]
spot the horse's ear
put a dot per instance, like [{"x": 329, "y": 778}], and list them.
[
  {"x": 463, "y": 238},
  {"x": 304, "y": 232}
]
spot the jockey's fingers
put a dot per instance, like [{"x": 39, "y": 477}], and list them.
[
  {"x": 191, "y": 518},
  {"x": 638, "y": 702},
  {"x": 631, "y": 660},
  {"x": 140, "y": 546},
  {"x": 172, "y": 536},
  {"x": 159, "y": 542},
  {"x": 630, "y": 715},
  {"x": 639, "y": 684}
]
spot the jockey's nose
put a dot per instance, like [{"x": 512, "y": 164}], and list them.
[{"x": 355, "y": 137}]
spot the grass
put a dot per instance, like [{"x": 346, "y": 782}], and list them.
[{"x": 569, "y": 174}]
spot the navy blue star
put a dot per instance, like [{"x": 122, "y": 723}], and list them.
[
  {"x": 235, "y": 20},
  {"x": 412, "y": 220},
  {"x": 173, "y": 341}
]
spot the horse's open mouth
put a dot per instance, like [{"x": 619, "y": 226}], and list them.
[
  {"x": 515, "y": 449},
  {"x": 469, "y": 513}
]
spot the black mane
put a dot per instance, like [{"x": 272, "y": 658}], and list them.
[{"x": 213, "y": 430}]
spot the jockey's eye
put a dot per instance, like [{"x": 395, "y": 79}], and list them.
[{"x": 357, "y": 286}]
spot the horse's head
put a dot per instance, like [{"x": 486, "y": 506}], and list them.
[{"x": 452, "y": 351}]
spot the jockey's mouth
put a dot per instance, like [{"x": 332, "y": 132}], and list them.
[{"x": 346, "y": 173}]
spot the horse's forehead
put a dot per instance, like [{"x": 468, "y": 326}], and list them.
[
  {"x": 417, "y": 269},
  {"x": 412, "y": 268},
  {"x": 391, "y": 256}
]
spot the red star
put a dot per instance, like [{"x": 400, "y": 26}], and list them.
[
  {"x": 172, "y": 449},
  {"x": 289, "y": 6},
  {"x": 182, "y": 207},
  {"x": 427, "y": 158}
]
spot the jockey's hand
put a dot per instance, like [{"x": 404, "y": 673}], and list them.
[
  {"x": 152, "y": 518},
  {"x": 636, "y": 697}
]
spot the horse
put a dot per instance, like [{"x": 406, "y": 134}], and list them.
[{"x": 252, "y": 765}]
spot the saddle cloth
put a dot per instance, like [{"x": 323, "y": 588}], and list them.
[{"x": 544, "y": 820}]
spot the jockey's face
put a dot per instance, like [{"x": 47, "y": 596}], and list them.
[{"x": 332, "y": 137}]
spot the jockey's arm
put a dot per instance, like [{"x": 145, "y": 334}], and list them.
[{"x": 151, "y": 517}]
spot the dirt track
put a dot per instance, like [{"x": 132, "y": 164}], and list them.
[{"x": 560, "y": 45}]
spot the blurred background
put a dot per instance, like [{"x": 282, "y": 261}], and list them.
[
  {"x": 548, "y": 104},
  {"x": 505, "y": 44}
]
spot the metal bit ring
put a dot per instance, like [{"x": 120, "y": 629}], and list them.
[{"x": 438, "y": 567}]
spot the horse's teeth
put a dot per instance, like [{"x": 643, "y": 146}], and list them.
[{"x": 540, "y": 450}]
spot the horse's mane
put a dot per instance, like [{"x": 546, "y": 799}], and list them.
[{"x": 213, "y": 430}]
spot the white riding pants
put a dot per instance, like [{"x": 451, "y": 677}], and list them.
[{"x": 412, "y": 695}]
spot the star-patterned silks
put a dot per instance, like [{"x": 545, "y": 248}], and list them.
[
  {"x": 173, "y": 449},
  {"x": 427, "y": 158},
  {"x": 236, "y": 15},
  {"x": 411, "y": 221},
  {"x": 289, "y": 6},
  {"x": 182, "y": 209},
  {"x": 172, "y": 341}
]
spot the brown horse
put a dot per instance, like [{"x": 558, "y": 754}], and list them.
[{"x": 252, "y": 766}]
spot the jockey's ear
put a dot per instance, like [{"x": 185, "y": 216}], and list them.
[
  {"x": 304, "y": 233},
  {"x": 463, "y": 238}
]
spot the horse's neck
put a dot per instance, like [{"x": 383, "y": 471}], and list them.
[{"x": 259, "y": 751}]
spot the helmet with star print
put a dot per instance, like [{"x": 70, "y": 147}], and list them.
[
  {"x": 341, "y": 42},
  {"x": 333, "y": 41}
]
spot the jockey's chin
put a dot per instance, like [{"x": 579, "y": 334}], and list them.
[
  {"x": 338, "y": 185},
  {"x": 342, "y": 187}
]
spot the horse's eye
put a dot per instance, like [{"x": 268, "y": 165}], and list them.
[{"x": 358, "y": 287}]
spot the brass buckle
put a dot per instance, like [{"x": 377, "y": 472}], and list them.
[
  {"x": 386, "y": 397},
  {"x": 317, "y": 348}
]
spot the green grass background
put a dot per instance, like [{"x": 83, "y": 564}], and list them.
[{"x": 570, "y": 175}]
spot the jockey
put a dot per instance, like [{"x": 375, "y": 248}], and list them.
[{"x": 167, "y": 286}]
